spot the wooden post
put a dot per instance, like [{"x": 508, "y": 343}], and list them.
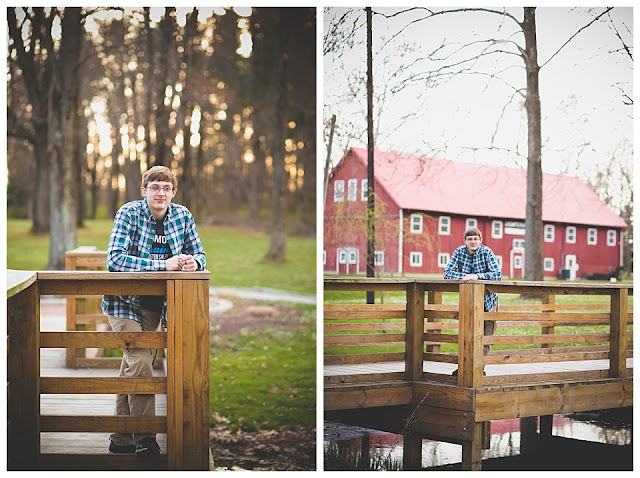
[
  {"x": 471, "y": 333},
  {"x": 472, "y": 450},
  {"x": 414, "y": 337},
  {"x": 434, "y": 298},
  {"x": 411, "y": 451},
  {"x": 618, "y": 333},
  {"x": 188, "y": 374},
  {"x": 23, "y": 379},
  {"x": 546, "y": 421},
  {"x": 548, "y": 299}
]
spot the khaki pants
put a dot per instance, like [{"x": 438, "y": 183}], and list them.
[{"x": 135, "y": 363}]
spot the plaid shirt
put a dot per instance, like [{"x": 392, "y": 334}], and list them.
[
  {"x": 483, "y": 263},
  {"x": 130, "y": 246}
]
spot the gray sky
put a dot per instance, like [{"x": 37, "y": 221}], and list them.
[{"x": 584, "y": 119}]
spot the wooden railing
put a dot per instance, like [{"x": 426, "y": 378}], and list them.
[
  {"x": 374, "y": 333},
  {"x": 186, "y": 384}
]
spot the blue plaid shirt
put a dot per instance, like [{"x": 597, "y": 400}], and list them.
[
  {"x": 130, "y": 246},
  {"x": 483, "y": 263}
]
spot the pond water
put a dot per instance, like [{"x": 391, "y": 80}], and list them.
[{"x": 343, "y": 444}]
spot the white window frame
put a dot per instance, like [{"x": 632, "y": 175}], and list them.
[
  {"x": 324, "y": 258},
  {"x": 342, "y": 256},
  {"x": 415, "y": 259},
  {"x": 549, "y": 264},
  {"x": 612, "y": 237},
  {"x": 364, "y": 185},
  {"x": 470, "y": 222},
  {"x": 497, "y": 234},
  {"x": 499, "y": 261},
  {"x": 443, "y": 259},
  {"x": 378, "y": 258},
  {"x": 549, "y": 233},
  {"x": 571, "y": 235},
  {"x": 592, "y": 241},
  {"x": 518, "y": 244},
  {"x": 415, "y": 220},
  {"x": 352, "y": 191},
  {"x": 517, "y": 262},
  {"x": 338, "y": 190},
  {"x": 444, "y": 225},
  {"x": 353, "y": 256}
]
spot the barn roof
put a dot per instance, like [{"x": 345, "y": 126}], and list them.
[{"x": 426, "y": 184}]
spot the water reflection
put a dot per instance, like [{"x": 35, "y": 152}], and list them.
[{"x": 349, "y": 447}]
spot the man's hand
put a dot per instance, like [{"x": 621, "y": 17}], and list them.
[
  {"x": 189, "y": 264},
  {"x": 469, "y": 277},
  {"x": 175, "y": 263}
]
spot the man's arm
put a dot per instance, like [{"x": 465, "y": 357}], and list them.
[
  {"x": 451, "y": 270},
  {"x": 118, "y": 257},
  {"x": 193, "y": 246},
  {"x": 493, "y": 269}
]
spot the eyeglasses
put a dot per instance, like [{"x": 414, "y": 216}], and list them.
[
  {"x": 472, "y": 238},
  {"x": 155, "y": 188}
]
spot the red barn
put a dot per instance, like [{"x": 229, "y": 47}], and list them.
[{"x": 423, "y": 207}]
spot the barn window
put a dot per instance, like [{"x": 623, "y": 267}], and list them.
[
  {"x": 353, "y": 256},
  {"x": 496, "y": 229},
  {"x": 499, "y": 261},
  {"x": 444, "y": 225},
  {"x": 415, "y": 259},
  {"x": 517, "y": 262},
  {"x": 443, "y": 260},
  {"x": 364, "y": 185},
  {"x": 324, "y": 258},
  {"x": 548, "y": 264},
  {"x": 338, "y": 190},
  {"x": 378, "y": 258},
  {"x": 471, "y": 222},
  {"x": 611, "y": 237},
  {"x": 549, "y": 233},
  {"x": 571, "y": 235},
  {"x": 592, "y": 236},
  {"x": 353, "y": 190},
  {"x": 342, "y": 256},
  {"x": 416, "y": 223}
]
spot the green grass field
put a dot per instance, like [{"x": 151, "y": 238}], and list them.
[
  {"x": 265, "y": 379},
  {"x": 234, "y": 255}
]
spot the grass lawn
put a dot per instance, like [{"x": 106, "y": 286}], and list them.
[
  {"x": 234, "y": 255},
  {"x": 265, "y": 379}
]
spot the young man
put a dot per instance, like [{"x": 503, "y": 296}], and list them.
[
  {"x": 475, "y": 261},
  {"x": 148, "y": 235}
]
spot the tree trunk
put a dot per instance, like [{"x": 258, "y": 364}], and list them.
[
  {"x": 533, "y": 222},
  {"x": 277, "y": 249},
  {"x": 63, "y": 111},
  {"x": 371, "y": 205}
]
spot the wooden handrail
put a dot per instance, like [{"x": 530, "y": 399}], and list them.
[
  {"x": 470, "y": 316},
  {"x": 186, "y": 340}
]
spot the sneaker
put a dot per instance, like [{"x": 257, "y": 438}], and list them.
[
  {"x": 117, "y": 449},
  {"x": 148, "y": 446}
]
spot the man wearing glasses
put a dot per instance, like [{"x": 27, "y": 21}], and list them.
[
  {"x": 151, "y": 234},
  {"x": 475, "y": 261}
]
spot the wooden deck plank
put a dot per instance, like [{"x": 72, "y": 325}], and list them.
[{"x": 446, "y": 368}]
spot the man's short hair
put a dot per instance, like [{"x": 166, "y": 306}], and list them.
[
  {"x": 473, "y": 231},
  {"x": 159, "y": 173}
]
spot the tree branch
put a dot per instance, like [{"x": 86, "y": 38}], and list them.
[{"x": 576, "y": 34}]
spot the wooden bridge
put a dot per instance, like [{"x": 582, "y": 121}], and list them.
[
  {"x": 73, "y": 403},
  {"x": 389, "y": 366}
]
